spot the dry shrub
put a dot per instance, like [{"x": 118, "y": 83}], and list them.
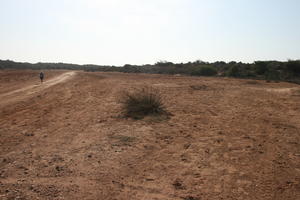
[
  {"x": 123, "y": 140},
  {"x": 252, "y": 82},
  {"x": 199, "y": 87},
  {"x": 142, "y": 102}
]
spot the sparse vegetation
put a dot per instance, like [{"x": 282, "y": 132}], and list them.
[
  {"x": 268, "y": 70},
  {"x": 252, "y": 82},
  {"x": 199, "y": 87},
  {"x": 142, "y": 102}
]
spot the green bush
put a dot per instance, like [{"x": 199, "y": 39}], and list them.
[
  {"x": 204, "y": 71},
  {"x": 293, "y": 67},
  {"x": 234, "y": 71},
  {"x": 272, "y": 75},
  {"x": 260, "y": 67},
  {"x": 208, "y": 71},
  {"x": 142, "y": 102}
]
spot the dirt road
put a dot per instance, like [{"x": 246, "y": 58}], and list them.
[
  {"x": 226, "y": 139},
  {"x": 23, "y": 92}
]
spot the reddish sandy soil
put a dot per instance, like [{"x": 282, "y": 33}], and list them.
[{"x": 226, "y": 139}]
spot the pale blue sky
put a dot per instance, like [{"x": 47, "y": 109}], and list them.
[{"x": 117, "y": 32}]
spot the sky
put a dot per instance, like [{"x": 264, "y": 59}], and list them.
[{"x": 118, "y": 32}]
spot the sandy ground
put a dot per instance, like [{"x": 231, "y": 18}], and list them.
[{"x": 226, "y": 139}]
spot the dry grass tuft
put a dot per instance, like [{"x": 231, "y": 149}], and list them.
[
  {"x": 252, "y": 82},
  {"x": 142, "y": 102},
  {"x": 199, "y": 87}
]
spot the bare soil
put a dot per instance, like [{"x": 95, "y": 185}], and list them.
[{"x": 226, "y": 139}]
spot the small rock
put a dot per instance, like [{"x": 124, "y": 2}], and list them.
[
  {"x": 58, "y": 168},
  {"x": 178, "y": 185},
  {"x": 149, "y": 179},
  {"x": 186, "y": 146}
]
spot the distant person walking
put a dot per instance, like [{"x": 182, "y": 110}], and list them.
[{"x": 42, "y": 77}]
